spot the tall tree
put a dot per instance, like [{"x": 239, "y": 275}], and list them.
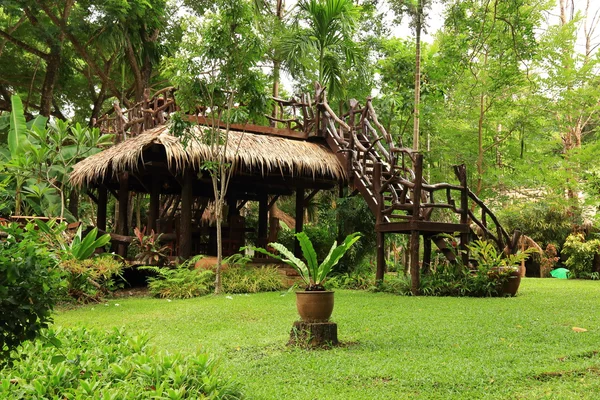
[
  {"x": 107, "y": 48},
  {"x": 321, "y": 44},
  {"x": 416, "y": 10},
  {"x": 217, "y": 67}
]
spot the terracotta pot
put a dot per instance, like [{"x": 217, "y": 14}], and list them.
[
  {"x": 315, "y": 306},
  {"x": 511, "y": 285}
]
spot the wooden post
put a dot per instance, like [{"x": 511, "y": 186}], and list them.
[
  {"x": 154, "y": 206},
  {"x": 426, "y": 254},
  {"x": 461, "y": 173},
  {"x": 415, "y": 279},
  {"x": 123, "y": 229},
  {"x": 380, "y": 257},
  {"x": 263, "y": 219},
  {"x": 102, "y": 202},
  {"x": 299, "y": 218},
  {"x": 185, "y": 220},
  {"x": 415, "y": 235},
  {"x": 379, "y": 275}
]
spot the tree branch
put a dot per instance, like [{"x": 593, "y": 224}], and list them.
[{"x": 23, "y": 45}]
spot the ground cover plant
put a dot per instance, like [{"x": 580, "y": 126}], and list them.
[
  {"x": 96, "y": 364},
  {"x": 185, "y": 281},
  {"x": 394, "y": 346}
]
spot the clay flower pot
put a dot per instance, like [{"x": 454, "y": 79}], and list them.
[
  {"x": 315, "y": 306},
  {"x": 510, "y": 286}
]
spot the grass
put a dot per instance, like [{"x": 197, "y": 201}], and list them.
[{"x": 395, "y": 347}]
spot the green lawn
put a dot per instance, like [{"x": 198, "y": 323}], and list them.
[{"x": 394, "y": 347}]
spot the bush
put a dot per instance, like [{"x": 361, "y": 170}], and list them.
[
  {"x": 544, "y": 221},
  {"x": 92, "y": 278},
  {"x": 362, "y": 278},
  {"x": 29, "y": 287},
  {"x": 182, "y": 282},
  {"x": 493, "y": 269},
  {"x": 581, "y": 254},
  {"x": 88, "y": 363},
  {"x": 243, "y": 279}
]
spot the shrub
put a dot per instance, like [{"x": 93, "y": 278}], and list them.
[
  {"x": 581, "y": 253},
  {"x": 181, "y": 282},
  {"x": 149, "y": 249},
  {"x": 544, "y": 221},
  {"x": 493, "y": 269},
  {"x": 29, "y": 286},
  {"x": 362, "y": 278},
  {"x": 92, "y": 278},
  {"x": 243, "y": 279},
  {"x": 89, "y": 363}
]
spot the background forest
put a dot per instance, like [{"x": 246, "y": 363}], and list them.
[{"x": 510, "y": 88}]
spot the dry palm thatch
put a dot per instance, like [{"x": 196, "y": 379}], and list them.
[{"x": 248, "y": 152}]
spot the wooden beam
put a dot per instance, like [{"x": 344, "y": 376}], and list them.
[
  {"x": 102, "y": 203},
  {"x": 241, "y": 204},
  {"x": 123, "y": 211},
  {"x": 92, "y": 196},
  {"x": 185, "y": 221},
  {"x": 250, "y": 128},
  {"x": 273, "y": 200},
  {"x": 308, "y": 198},
  {"x": 422, "y": 226}
]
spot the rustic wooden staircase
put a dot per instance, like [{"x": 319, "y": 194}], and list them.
[{"x": 390, "y": 179}]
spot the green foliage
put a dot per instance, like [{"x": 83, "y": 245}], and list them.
[
  {"x": 88, "y": 363},
  {"x": 320, "y": 44},
  {"x": 88, "y": 276},
  {"x": 581, "y": 254},
  {"x": 29, "y": 285},
  {"x": 492, "y": 269},
  {"x": 35, "y": 166},
  {"x": 182, "y": 282},
  {"x": 217, "y": 59},
  {"x": 312, "y": 273},
  {"x": 356, "y": 280},
  {"x": 89, "y": 280},
  {"x": 544, "y": 221},
  {"x": 243, "y": 279},
  {"x": 81, "y": 249}
]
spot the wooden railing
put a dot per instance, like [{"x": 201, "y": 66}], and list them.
[{"x": 390, "y": 177}]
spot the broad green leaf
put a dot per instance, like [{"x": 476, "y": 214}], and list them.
[
  {"x": 335, "y": 254},
  {"x": 298, "y": 264},
  {"x": 17, "y": 134},
  {"x": 38, "y": 123},
  {"x": 309, "y": 252},
  {"x": 57, "y": 359}
]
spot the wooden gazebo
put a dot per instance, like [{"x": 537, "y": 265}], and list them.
[{"x": 267, "y": 163}]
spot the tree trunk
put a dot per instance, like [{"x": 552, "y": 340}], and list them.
[{"x": 416, "y": 115}]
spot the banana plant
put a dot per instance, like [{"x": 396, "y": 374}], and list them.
[
  {"x": 312, "y": 273},
  {"x": 38, "y": 158}
]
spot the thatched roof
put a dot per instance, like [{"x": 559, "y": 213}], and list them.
[{"x": 259, "y": 154}]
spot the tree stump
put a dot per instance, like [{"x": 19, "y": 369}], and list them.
[{"x": 313, "y": 334}]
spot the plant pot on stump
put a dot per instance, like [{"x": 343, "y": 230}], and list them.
[{"x": 314, "y": 306}]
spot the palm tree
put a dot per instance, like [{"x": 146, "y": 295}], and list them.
[{"x": 322, "y": 32}]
